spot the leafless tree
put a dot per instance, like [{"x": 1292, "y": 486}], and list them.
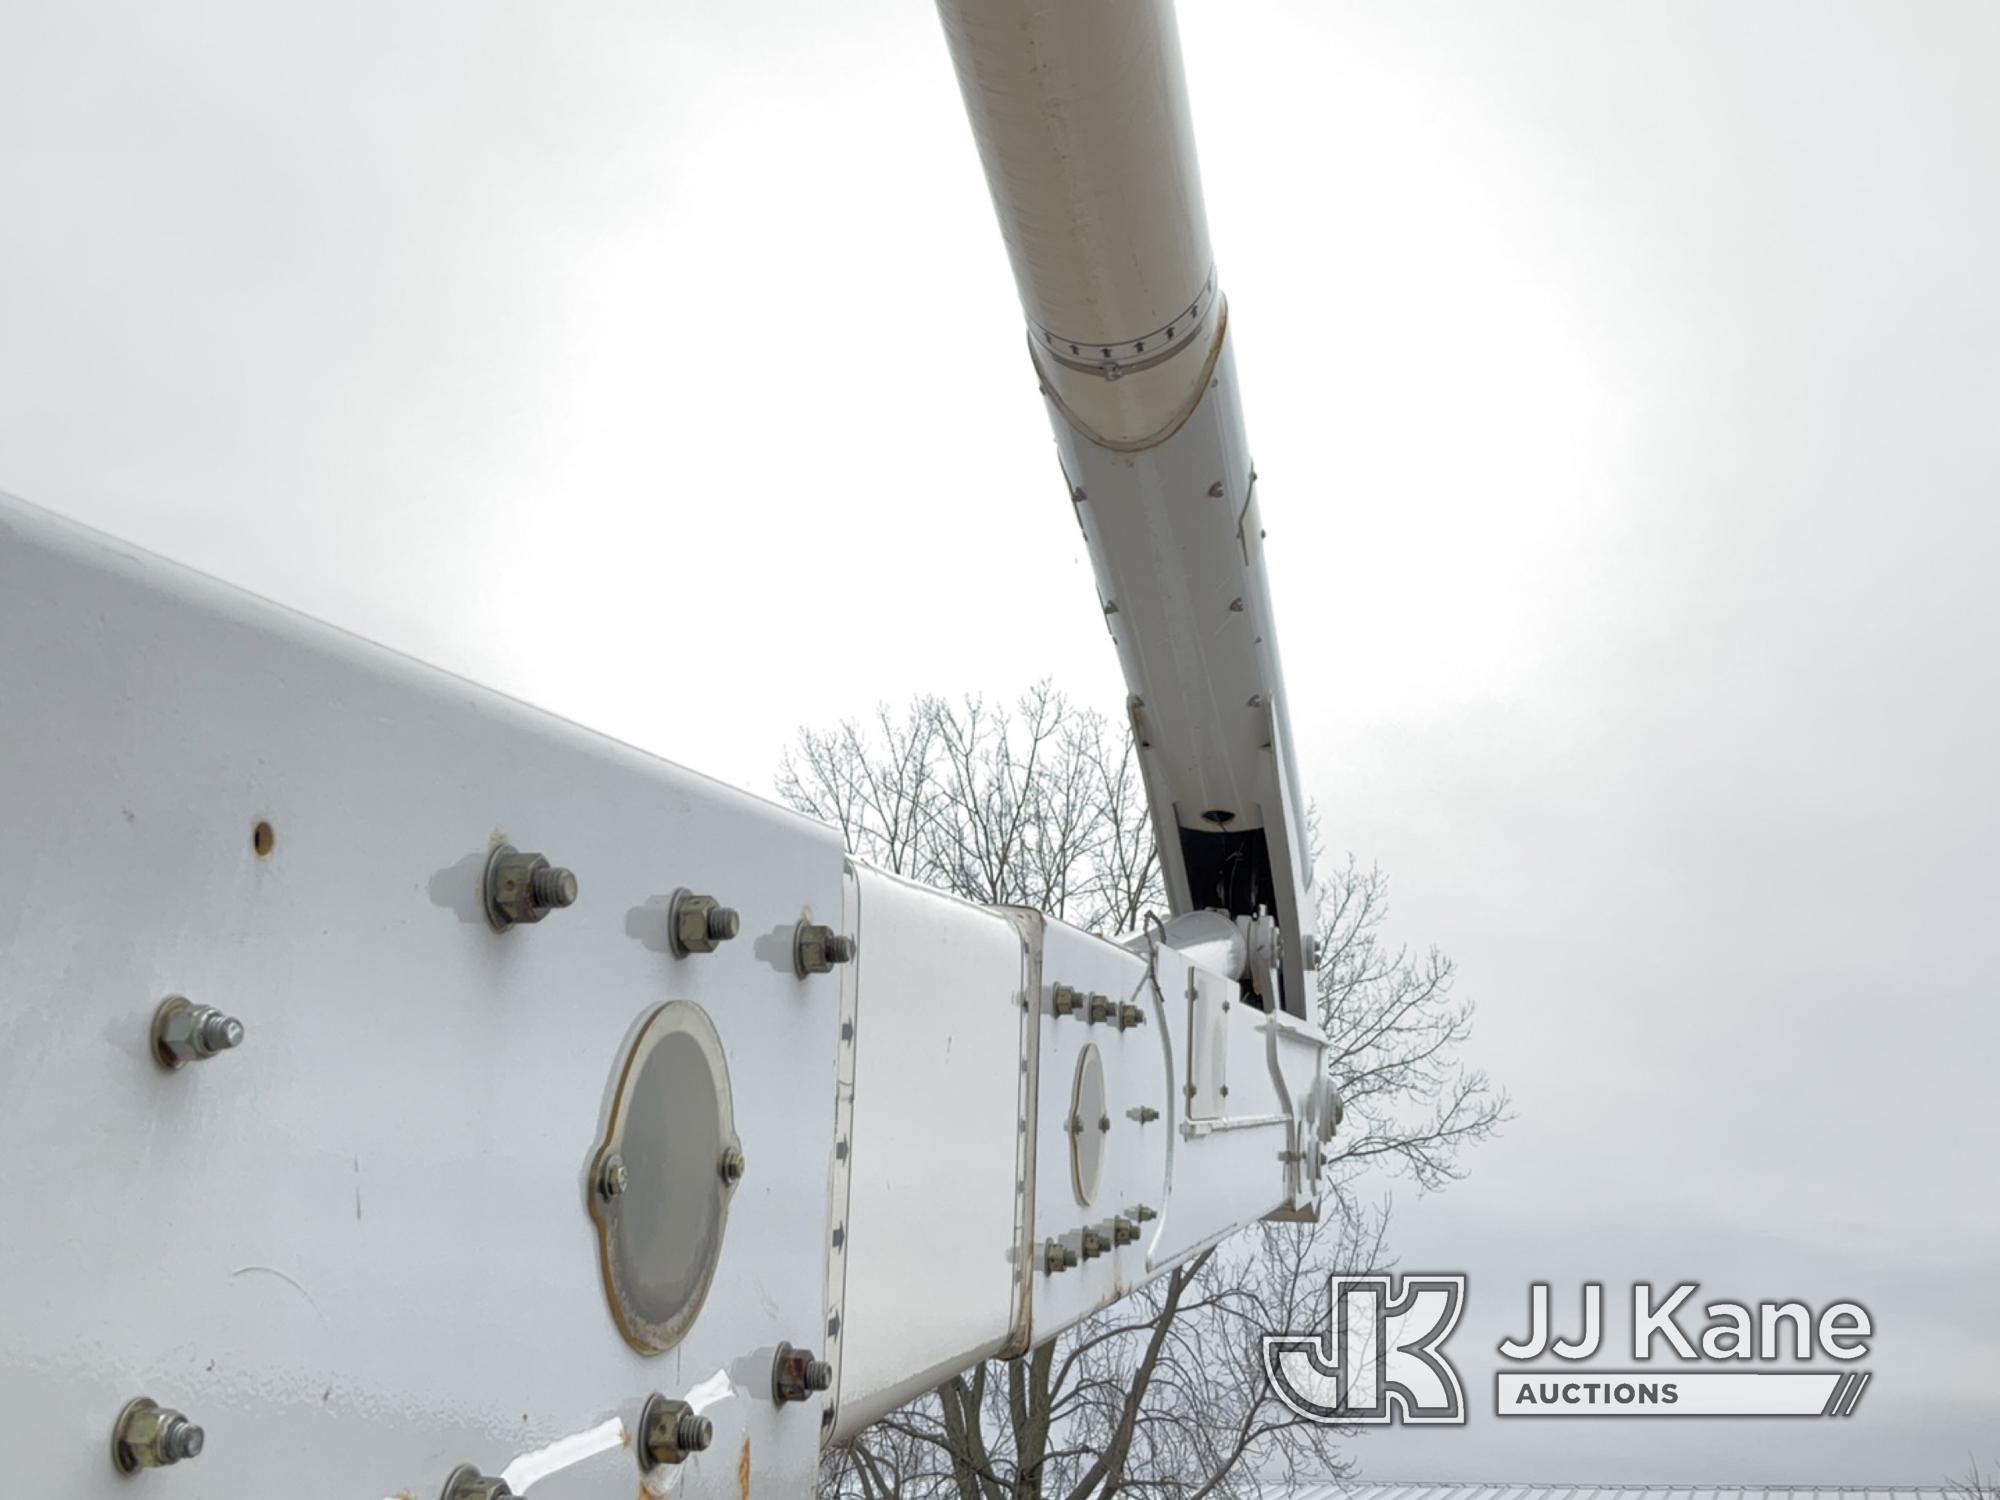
[
  {"x": 1973, "y": 1485},
  {"x": 1163, "y": 1393}
]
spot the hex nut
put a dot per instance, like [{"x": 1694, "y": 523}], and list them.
[
  {"x": 467, "y": 1483},
  {"x": 150, "y": 1436},
  {"x": 1056, "y": 1256},
  {"x": 669, "y": 1431},
  {"x": 1101, "y": 1009},
  {"x": 1144, "y": 1214},
  {"x": 1130, "y": 1016},
  {"x": 1124, "y": 1231},
  {"x": 731, "y": 1165},
  {"x": 796, "y": 1375},
  {"x": 700, "y": 924},
  {"x": 613, "y": 1177},
  {"x": 1062, "y": 1000},
  {"x": 816, "y": 948},
  {"x": 522, "y": 887},
  {"x": 184, "y": 1032},
  {"x": 1094, "y": 1244}
]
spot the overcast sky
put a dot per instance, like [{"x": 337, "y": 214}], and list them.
[{"x": 1625, "y": 387}]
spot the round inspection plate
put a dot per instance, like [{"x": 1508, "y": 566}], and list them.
[
  {"x": 1088, "y": 1125},
  {"x": 660, "y": 1232}
]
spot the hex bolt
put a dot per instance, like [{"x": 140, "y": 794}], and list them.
[
  {"x": 1145, "y": 1114},
  {"x": 1144, "y": 1214},
  {"x": 524, "y": 887},
  {"x": 669, "y": 1431},
  {"x": 1130, "y": 1016},
  {"x": 612, "y": 1177},
  {"x": 796, "y": 1374},
  {"x": 1124, "y": 1232},
  {"x": 1094, "y": 1244},
  {"x": 1101, "y": 1009},
  {"x": 816, "y": 948},
  {"x": 1062, "y": 1000},
  {"x": 1056, "y": 1256},
  {"x": 1075, "y": 1126},
  {"x": 1104, "y": 1122},
  {"x": 467, "y": 1483},
  {"x": 700, "y": 924},
  {"x": 148, "y": 1435},
  {"x": 732, "y": 1164},
  {"x": 184, "y": 1032}
]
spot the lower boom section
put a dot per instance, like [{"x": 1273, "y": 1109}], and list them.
[{"x": 414, "y": 1092}]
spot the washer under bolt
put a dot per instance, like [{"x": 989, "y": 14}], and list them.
[
  {"x": 816, "y": 948},
  {"x": 701, "y": 923},
  {"x": 796, "y": 1374},
  {"x": 1056, "y": 1256},
  {"x": 148, "y": 1435},
  {"x": 612, "y": 1177},
  {"x": 669, "y": 1431},
  {"x": 524, "y": 887},
  {"x": 467, "y": 1483},
  {"x": 731, "y": 1165},
  {"x": 184, "y": 1032}
]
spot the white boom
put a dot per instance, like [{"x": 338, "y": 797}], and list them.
[
  {"x": 1081, "y": 115},
  {"x": 356, "y": 1149}
]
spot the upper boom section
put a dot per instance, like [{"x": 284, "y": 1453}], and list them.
[{"x": 1081, "y": 114}]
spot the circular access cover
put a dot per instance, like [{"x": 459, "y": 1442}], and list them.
[
  {"x": 660, "y": 1234},
  {"x": 1088, "y": 1125}
]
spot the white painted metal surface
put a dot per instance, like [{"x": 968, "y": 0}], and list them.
[
  {"x": 1082, "y": 121},
  {"x": 362, "y": 1241},
  {"x": 934, "y": 1257},
  {"x": 356, "y": 1249}
]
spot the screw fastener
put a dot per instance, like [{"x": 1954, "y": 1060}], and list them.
[
  {"x": 699, "y": 924},
  {"x": 1094, "y": 1244},
  {"x": 1144, "y": 1214},
  {"x": 1124, "y": 1232},
  {"x": 184, "y": 1032},
  {"x": 1101, "y": 1009},
  {"x": 795, "y": 1375},
  {"x": 1062, "y": 1001},
  {"x": 1130, "y": 1016},
  {"x": 732, "y": 1164},
  {"x": 467, "y": 1483},
  {"x": 612, "y": 1177},
  {"x": 524, "y": 887},
  {"x": 150, "y": 1436},
  {"x": 669, "y": 1431},
  {"x": 816, "y": 948},
  {"x": 1056, "y": 1256}
]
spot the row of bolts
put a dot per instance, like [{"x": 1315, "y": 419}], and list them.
[
  {"x": 518, "y": 888},
  {"x": 150, "y": 1436},
  {"x": 1096, "y": 1010}
]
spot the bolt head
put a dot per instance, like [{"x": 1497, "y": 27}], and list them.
[
  {"x": 732, "y": 1165},
  {"x": 796, "y": 1374},
  {"x": 521, "y": 887},
  {"x": 816, "y": 948},
  {"x": 613, "y": 1177},
  {"x": 150, "y": 1436},
  {"x": 700, "y": 924},
  {"x": 184, "y": 1032}
]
